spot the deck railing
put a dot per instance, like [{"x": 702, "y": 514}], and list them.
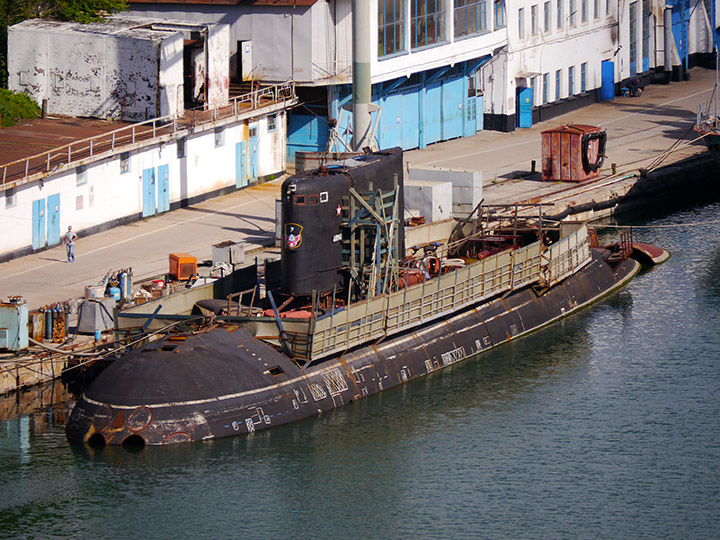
[
  {"x": 64, "y": 156},
  {"x": 393, "y": 313}
]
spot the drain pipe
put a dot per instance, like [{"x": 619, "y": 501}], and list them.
[{"x": 361, "y": 73}]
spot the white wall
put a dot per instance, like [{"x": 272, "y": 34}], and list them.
[
  {"x": 109, "y": 194},
  {"x": 558, "y": 48},
  {"x": 85, "y": 73},
  {"x": 218, "y": 69}
]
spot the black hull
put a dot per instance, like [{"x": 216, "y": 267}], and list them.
[{"x": 223, "y": 383}]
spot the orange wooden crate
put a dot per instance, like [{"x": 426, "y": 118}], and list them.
[{"x": 182, "y": 266}]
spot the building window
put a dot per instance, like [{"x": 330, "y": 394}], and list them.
[
  {"x": 81, "y": 177},
  {"x": 181, "y": 147},
  {"x": 571, "y": 80},
  {"x": 470, "y": 17},
  {"x": 124, "y": 162},
  {"x": 391, "y": 27},
  {"x": 573, "y": 12},
  {"x": 584, "y": 10},
  {"x": 10, "y": 200},
  {"x": 533, "y": 20},
  {"x": 428, "y": 22},
  {"x": 583, "y": 77},
  {"x": 79, "y": 202},
  {"x": 521, "y": 23},
  {"x": 499, "y": 13},
  {"x": 546, "y": 16},
  {"x": 533, "y": 80},
  {"x": 272, "y": 123},
  {"x": 546, "y": 84},
  {"x": 219, "y": 137},
  {"x": 561, "y": 15},
  {"x": 596, "y": 9},
  {"x": 558, "y": 83}
]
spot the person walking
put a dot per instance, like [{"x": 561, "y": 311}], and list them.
[{"x": 69, "y": 243}]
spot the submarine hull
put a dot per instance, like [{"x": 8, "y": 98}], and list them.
[{"x": 224, "y": 382}]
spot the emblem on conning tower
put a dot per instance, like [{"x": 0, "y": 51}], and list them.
[{"x": 293, "y": 235}]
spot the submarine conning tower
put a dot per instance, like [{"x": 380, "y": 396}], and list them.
[{"x": 328, "y": 233}]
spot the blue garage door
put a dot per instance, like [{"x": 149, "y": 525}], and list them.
[
  {"x": 453, "y": 96},
  {"x": 432, "y": 113},
  {"x": 410, "y": 121},
  {"x": 390, "y": 130},
  {"x": 306, "y": 133}
]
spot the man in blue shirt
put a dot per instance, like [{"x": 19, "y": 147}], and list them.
[{"x": 69, "y": 243}]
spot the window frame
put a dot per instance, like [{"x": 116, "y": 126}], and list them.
[
  {"x": 219, "y": 135},
  {"x": 396, "y": 26},
  {"x": 124, "y": 162},
  {"x": 10, "y": 198},
  {"x": 80, "y": 175},
  {"x": 471, "y": 10},
  {"x": 534, "y": 20},
  {"x": 558, "y": 84},
  {"x": 499, "y": 14},
  {"x": 420, "y": 20},
  {"x": 560, "y": 14},
  {"x": 546, "y": 17}
]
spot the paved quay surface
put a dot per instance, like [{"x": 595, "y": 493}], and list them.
[{"x": 640, "y": 130}]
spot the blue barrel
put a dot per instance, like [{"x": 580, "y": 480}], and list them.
[{"x": 115, "y": 293}]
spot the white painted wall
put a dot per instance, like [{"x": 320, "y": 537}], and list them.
[
  {"x": 109, "y": 194},
  {"x": 122, "y": 69},
  {"x": 218, "y": 69},
  {"x": 86, "y": 73}
]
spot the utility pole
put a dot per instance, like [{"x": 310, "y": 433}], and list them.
[{"x": 361, "y": 73}]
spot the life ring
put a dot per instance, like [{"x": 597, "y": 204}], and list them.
[
  {"x": 601, "y": 137},
  {"x": 433, "y": 265}
]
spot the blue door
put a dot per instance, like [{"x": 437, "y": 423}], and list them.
[
  {"x": 306, "y": 133},
  {"x": 680, "y": 30},
  {"x": 241, "y": 164},
  {"x": 410, "y": 124},
  {"x": 524, "y": 107},
  {"x": 253, "y": 154},
  {"x": 453, "y": 96},
  {"x": 148, "y": 192},
  {"x": 163, "y": 188},
  {"x": 38, "y": 224},
  {"x": 391, "y": 120},
  {"x": 53, "y": 219},
  {"x": 607, "y": 88},
  {"x": 432, "y": 113}
]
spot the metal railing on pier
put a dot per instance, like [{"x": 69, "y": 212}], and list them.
[{"x": 69, "y": 155}]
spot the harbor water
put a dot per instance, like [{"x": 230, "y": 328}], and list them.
[{"x": 604, "y": 425}]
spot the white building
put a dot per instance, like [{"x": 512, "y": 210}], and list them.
[
  {"x": 447, "y": 68},
  {"x": 133, "y": 69},
  {"x": 125, "y": 69}
]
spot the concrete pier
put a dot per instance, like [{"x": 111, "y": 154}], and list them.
[{"x": 648, "y": 132}]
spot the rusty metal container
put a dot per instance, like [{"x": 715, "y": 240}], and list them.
[
  {"x": 572, "y": 152},
  {"x": 182, "y": 266}
]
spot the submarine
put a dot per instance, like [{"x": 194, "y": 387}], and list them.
[{"x": 349, "y": 312}]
